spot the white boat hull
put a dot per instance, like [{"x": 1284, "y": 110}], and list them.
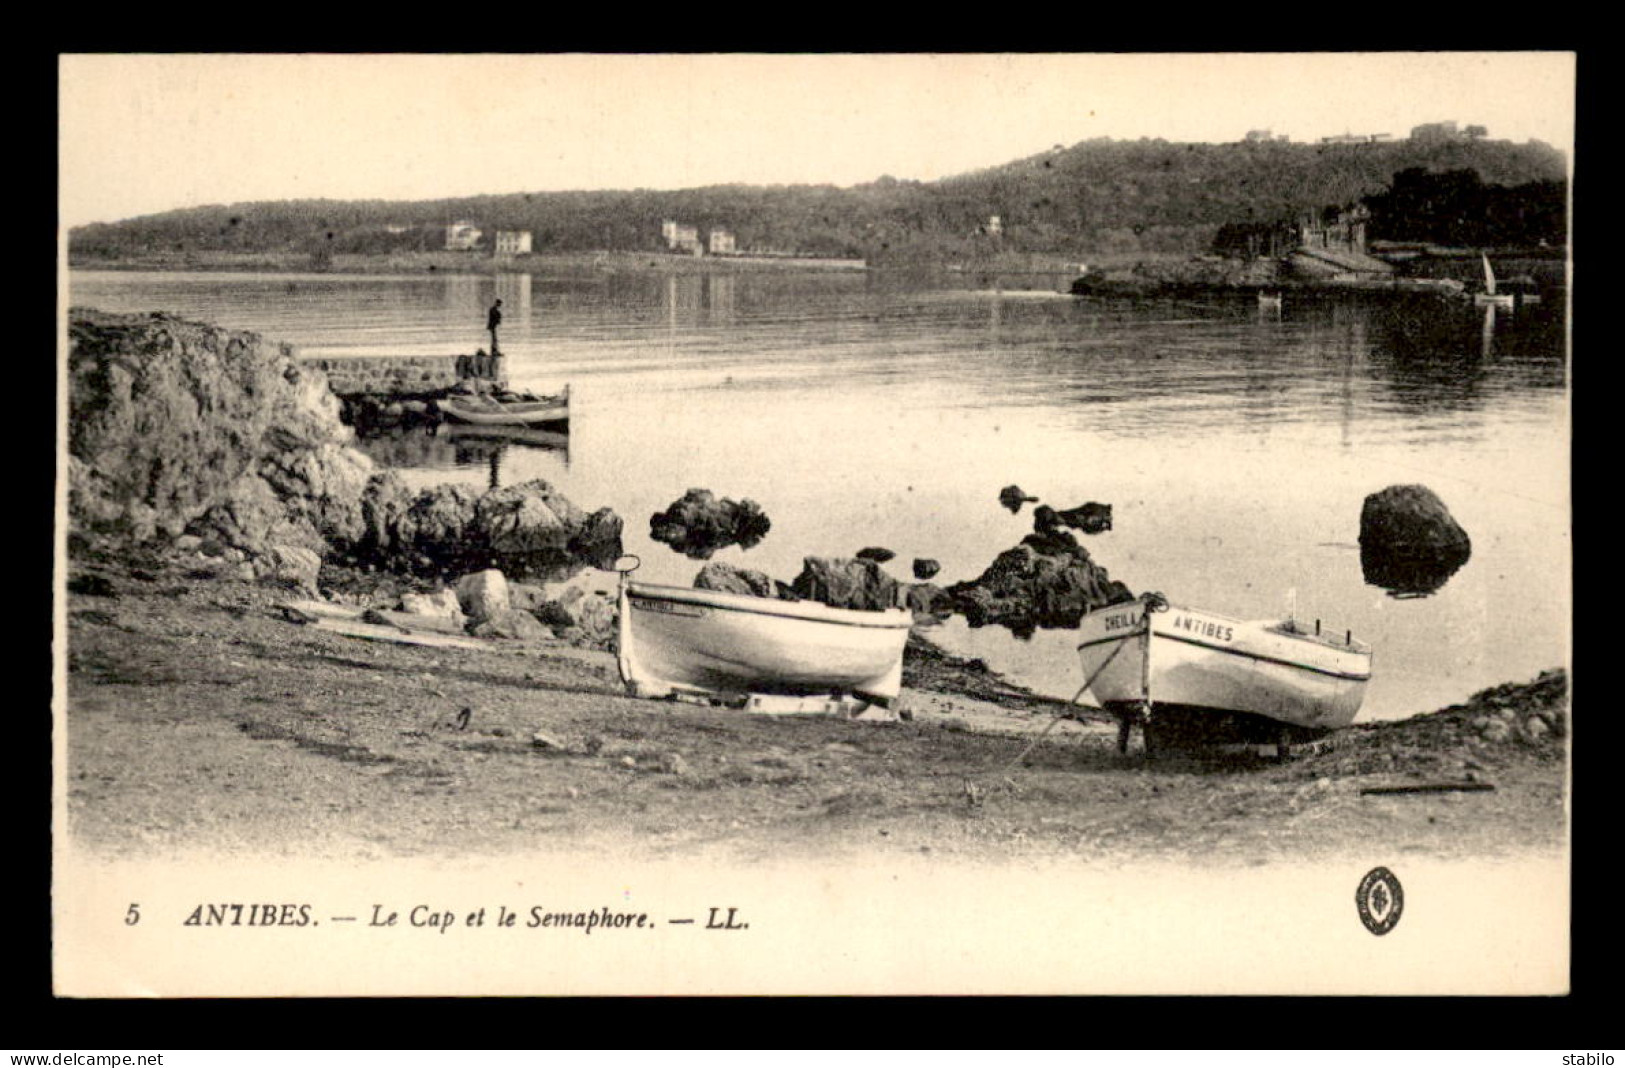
[
  {"x": 676, "y": 640},
  {"x": 1132, "y": 655}
]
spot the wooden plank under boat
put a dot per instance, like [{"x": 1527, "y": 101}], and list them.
[
  {"x": 677, "y": 641},
  {"x": 1149, "y": 655},
  {"x": 480, "y": 409}
]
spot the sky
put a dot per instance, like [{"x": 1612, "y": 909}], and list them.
[{"x": 140, "y": 134}]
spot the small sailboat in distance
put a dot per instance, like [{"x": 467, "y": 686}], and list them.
[{"x": 1490, "y": 297}]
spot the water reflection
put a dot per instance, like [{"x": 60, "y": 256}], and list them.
[
  {"x": 1408, "y": 577},
  {"x": 449, "y": 446},
  {"x": 514, "y": 290},
  {"x": 1232, "y": 443},
  {"x": 699, "y": 299}
]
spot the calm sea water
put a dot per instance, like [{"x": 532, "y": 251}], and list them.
[{"x": 1235, "y": 445}]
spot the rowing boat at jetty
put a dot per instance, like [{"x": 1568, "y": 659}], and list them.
[{"x": 485, "y": 409}]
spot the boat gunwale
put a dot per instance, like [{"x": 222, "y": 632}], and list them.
[
  {"x": 506, "y": 407},
  {"x": 1328, "y": 640},
  {"x": 795, "y": 611},
  {"x": 1347, "y": 676}
]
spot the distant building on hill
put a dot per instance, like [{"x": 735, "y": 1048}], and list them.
[
  {"x": 681, "y": 238},
  {"x": 1339, "y": 229},
  {"x": 721, "y": 243},
  {"x": 1355, "y": 139},
  {"x": 1336, "y": 232},
  {"x": 513, "y": 242},
  {"x": 462, "y": 237},
  {"x": 1447, "y": 131},
  {"x": 1332, "y": 245}
]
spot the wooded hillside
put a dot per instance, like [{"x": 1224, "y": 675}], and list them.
[{"x": 1097, "y": 196}]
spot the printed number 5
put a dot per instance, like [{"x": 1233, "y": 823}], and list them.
[{"x": 132, "y": 917}]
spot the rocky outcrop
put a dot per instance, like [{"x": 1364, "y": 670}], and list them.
[
  {"x": 929, "y": 603},
  {"x": 698, "y": 524},
  {"x": 529, "y": 530},
  {"x": 1409, "y": 541},
  {"x": 1091, "y": 518},
  {"x": 1046, "y": 581},
  {"x": 171, "y": 420},
  {"x": 179, "y": 428},
  {"x": 726, "y": 578},
  {"x": 846, "y": 583},
  {"x": 879, "y": 554},
  {"x": 926, "y": 568}
]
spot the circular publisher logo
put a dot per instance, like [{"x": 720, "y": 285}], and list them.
[{"x": 1380, "y": 901}]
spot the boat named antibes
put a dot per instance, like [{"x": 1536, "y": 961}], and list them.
[{"x": 1156, "y": 660}]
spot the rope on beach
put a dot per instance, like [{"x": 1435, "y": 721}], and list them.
[{"x": 1062, "y": 715}]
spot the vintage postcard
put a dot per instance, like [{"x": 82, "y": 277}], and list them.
[{"x": 813, "y": 524}]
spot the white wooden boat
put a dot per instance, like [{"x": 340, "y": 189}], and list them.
[
  {"x": 1490, "y": 296},
  {"x": 1153, "y": 661},
  {"x": 680, "y": 642},
  {"x": 480, "y": 409}
]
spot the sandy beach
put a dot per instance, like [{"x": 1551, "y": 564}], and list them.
[{"x": 202, "y": 716}]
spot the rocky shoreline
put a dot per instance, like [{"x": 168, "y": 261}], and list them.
[
  {"x": 213, "y": 488},
  {"x": 201, "y": 716}
]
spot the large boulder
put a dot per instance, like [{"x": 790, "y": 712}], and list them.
[
  {"x": 698, "y": 524},
  {"x": 484, "y": 594},
  {"x": 1046, "y": 581},
  {"x": 435, "y": 530},
  {"x": 532, "y": 530},
  {"x": 846, "y": 583},
  {"x": 166, "y": 417},
  {"x": 726, "y": 578},
  {"x": 1409, "y": 541},
  {"x": 582, "y": 611}
]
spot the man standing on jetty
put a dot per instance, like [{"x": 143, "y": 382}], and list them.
[{"x": 492, "y": 321}]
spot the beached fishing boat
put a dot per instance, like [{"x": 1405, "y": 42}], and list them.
[
  {"x": 1260, "y": 680},
  {"x": 676, "y": 641},
  {"x": 1490, "y": 296},
  {"x": 483, "y": 409}
]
